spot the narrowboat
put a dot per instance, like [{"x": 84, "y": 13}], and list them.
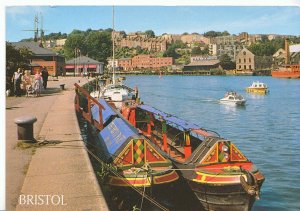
[
  {"x": 219, "y": 174},
  {"x": 135, "y": 159}
]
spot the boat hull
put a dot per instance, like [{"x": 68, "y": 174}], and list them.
[
  {"x": 222, "y": 197},
  {"x": 229, "y": 102},
  {"x": 286, "y": 74},
  {"x": 256, "y": 90}
]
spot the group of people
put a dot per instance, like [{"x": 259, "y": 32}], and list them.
[{"x": 24, "y": 82}]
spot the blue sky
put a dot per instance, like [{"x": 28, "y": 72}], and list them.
[{"x": 161, "y": 19}]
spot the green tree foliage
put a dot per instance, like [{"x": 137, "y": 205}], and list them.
[
  {"x": 196, "y": 51},
  {"x": 150, "y": 33},
  {"x": 171, "y": 50},
  {"x": 216, "y": 34},
  {"x": 15, "y": 58},
  {"x": 226, "y": 62},
  {"x": 96, "y": 44},
  {"x": 123, "y": 53},
  {"x": 123, "y": 33},
  {"x": 75, "y": 40},
  {"x": 263, "y": 48},
  {"x": 200, "y": 50},
  {"x": 55, "y": 36}
]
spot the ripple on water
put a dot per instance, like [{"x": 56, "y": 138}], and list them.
[{"x": 267, "y": 129}]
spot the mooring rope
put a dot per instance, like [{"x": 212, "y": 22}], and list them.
[{"x": 134, "y": 188}]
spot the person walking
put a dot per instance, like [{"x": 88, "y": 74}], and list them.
[
  {"x": 38, "y": 82},
  {"x": 45, "y": 76},
  {"x": 17, "y": 79}
]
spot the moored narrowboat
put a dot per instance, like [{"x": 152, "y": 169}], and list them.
[
  {"x": 135, "y": 160},
  {"x": 217, "y": 172}
]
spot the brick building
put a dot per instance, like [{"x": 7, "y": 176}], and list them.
[
  {"x": 133, "y": 40},
  {"x": 125, "y": 64},
  {"x": 193, "y": 38},
  {"x": 43, "y": 57},
  {"x": 147, "y": 61}
]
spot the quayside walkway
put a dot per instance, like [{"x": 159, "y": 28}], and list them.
[{"x": 58, "y": 169}]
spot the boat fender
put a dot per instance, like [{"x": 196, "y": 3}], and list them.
[{"x": 249, "y": 183}]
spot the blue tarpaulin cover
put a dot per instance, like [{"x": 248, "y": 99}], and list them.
[
  {"x": 116, "y": 134},
  {"x": 107, "y": 113},
  {"x": 169, "y": 118}
]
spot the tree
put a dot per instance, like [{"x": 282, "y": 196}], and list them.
[
  {"x": 15, "y": 58},
  {"x": 196, "y": 51},
  {"x": 75, "y": 40},
  {"x": 150, "y": 33},
  {"x": 216, "y": 34},
  {"x": 262, "y": 49},
  {"x": 171, "y": 50},
  {"x": 226, "y": 62}
]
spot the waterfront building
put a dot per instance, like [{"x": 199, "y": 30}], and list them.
[
  {"x": 110, "y": 63},
  {"x": 43, "y": 57},
  {"x": 148, "y": 61},
  {"x": 125, "y": 64},
  {"x": 245, "y": 60},
  {"x": 83, "y": 65},
  {"x": 202, "y": 65},
  {"x": 279, "y": 56}
]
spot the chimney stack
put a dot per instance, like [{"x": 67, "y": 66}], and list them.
[{"x": 287, "y": 51}]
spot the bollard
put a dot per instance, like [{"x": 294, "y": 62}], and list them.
[
  {"x": 62, "y": 86},
  {"x": 25, "y": 127}
]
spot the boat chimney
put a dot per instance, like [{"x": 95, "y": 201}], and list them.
[{"x": 287, "y": 51}]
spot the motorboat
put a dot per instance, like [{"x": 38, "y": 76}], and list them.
[
  {"x": 233, "y": 98},
  {"x": 258, "y": 87}
]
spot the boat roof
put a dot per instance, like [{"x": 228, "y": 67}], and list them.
[
  {"x": 173, "y": 120},
  {"x": 107, "y": 112},
  {"x": 119, "y": 86},
  {"x": 116, "y": 134}
]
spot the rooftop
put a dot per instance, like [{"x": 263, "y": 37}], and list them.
[{"x": 34, "y": 48}]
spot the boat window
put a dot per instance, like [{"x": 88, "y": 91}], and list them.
[{"x": 231, "y": 98}]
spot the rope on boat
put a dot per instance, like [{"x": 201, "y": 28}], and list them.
[
  {"x": 141, "y": 206},
  {"x": 251, "y": 185},
  {"x": 150, "y": 199}
]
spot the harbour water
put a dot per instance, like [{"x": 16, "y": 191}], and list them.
[{"x": 266, "y": 129}]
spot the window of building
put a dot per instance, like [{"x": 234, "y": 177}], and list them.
[
  {"x": 244, "y": 67},
  {"x": 249, "y": 59},
  {"x": 244, "y": 60},
  {"x": 239, "y": 60},
  {"x": 240, "y": 67},
  {"x": 249, "y": 67}
]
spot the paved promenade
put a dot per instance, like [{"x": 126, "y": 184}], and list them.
[{"x": 61, "y": 168}]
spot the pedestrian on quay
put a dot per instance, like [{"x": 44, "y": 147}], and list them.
[
  {"x": 45, "y": 76},
  {"x": 38, "y": 83},
  {"x": 17, "y": 79}
]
